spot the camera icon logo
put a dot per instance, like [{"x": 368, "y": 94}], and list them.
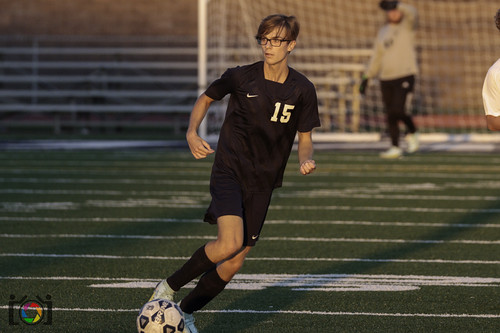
[{"x": 31, "y": 312}]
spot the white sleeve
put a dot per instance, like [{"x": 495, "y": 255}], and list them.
[{"x": 491, "y": 92}]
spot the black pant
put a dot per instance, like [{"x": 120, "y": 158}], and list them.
[{"x": 394, "y": 93}]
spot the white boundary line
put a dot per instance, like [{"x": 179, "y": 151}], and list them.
[
  {"x": 389, "y": 209},
  {"x": 298, "y": 282},
  {"x": 315, "y": 180},
  {"x": 289, "y": 312},
  {"x": 375, "y": 314},
  {"x": 350, "y": 194},
  {"x": 116, "y": 257},
  {"x": 151, "y": 159},
  {"x": 188, "y": 204},
  {"x": 293, "y": 239},
  {"x": 276, "y": 222},
  {"x": 186, "y": 169},
  {"x": 148, "y": 159}
]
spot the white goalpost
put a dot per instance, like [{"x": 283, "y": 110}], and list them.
[
  {"x": 202, "y": 56},
  {"x": 456, "y": 44}
]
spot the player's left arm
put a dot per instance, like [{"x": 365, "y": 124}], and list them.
[{"x": 305, "y": 152}]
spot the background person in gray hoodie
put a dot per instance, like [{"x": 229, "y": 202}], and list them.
[{"x": 394, "y": 62}]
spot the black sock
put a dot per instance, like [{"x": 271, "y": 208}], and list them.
[
  {"x": 196, "y": 265},
  {"x": 209, "y": 286}
]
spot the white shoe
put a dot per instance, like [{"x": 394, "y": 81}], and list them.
[
  {"x": 413, "y": 144},
  {"x": 189, "y": 324},
  {"x": 163, "y": 291},
  {"x": 392, "y": 153}
]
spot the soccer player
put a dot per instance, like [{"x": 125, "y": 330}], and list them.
[
  {"x": 394, "y": 62},
  {"x": 270, "y": 103},
  {"x": 491, "y": 91}
]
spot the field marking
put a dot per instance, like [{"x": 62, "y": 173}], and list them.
[
  {"x": 191, "y": 203},
  {"x": 441, "y": 158},
  {"x": 328, "y": 282},
  {"x": 350, "y": 193},
  {"x": 389, "y": 209},
  {"x": 366, "y": 260},
  {"x": 371, "y": 314},
  {"x": 331, "y": 186},
  {"x": 305, "y": 312},
  {"x": 33, "y": 180},
  {"x": 298, "y": 282},
  {"x": 276, "y": 222},
  {"x": 293, "y": 239},
  {"x": 388, "y": 224},
  {"x": 106, "y": 192},
  {"x": 290, "y": 176},
  {"x": 100, "y": 163},
  {"x": 447, "y": 161},
  {"x": 315, "y": 182},
  {"x": 149, "y": 160},
  {"x": 180, "y": 168}
]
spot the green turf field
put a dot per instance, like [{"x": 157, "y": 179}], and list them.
[{"x": 362, "y": 245}]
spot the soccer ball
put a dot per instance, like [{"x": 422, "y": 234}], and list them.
[{"x": 160, "y": 316}]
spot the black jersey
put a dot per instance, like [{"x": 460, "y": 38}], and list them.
[{"x": 260, "y": 124}]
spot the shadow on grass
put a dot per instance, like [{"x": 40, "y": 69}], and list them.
[{"x": 482, "y": 215}]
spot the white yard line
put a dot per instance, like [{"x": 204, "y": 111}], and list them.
[
  {"x": 389, "y": 209},
  {"x": 297, "y": 282},
  {"x": 117, "y": 257},
  {"x": 191, "y": 203},
  {"x": 205, "y": 194},
  {"x": 315, "y": 181},
  {"x": 293, "y": 239},
  {"x": 275, "y": 222},
  {"x": 285, "y": 312},
  {"x": 369, "y": 314},
  {"x": 340, "y": 193}
]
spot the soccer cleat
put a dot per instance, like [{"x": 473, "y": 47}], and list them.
[
  {"x": 163, "y": 291},
  {"x": 413, "y": 144},
  {"x": 189, "y": 324},
  {"x": 392, "y": 153}
]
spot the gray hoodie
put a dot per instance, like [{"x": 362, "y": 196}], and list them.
[{"x": 394, "y": 54}]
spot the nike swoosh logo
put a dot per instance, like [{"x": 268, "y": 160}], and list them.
[
  {"x": 255, "y": 236},
  {"x": 250, "y": 96}
]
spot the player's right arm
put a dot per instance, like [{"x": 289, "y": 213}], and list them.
[
  {"x": 199, "y": 147},
  {"x": 493, "y": 123},
  {"x": 410, "y": 14}
]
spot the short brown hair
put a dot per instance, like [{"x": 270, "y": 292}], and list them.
[
  {"x": 497, "y": 19},
  {"x": 282, "y": 22}
]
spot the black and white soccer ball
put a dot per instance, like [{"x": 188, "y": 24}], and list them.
[{"x": 160, "y": 316}]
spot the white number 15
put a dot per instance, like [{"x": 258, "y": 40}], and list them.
[{"x": 286, "y": 114}]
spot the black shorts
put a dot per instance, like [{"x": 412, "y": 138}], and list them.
[{"x": 228, "y": 198}]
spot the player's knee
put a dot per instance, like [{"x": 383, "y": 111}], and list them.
[
  {"x": 234, "y": 248},
  {"x": 231, "y": 247},
  {"x": 235, "y": 264}
]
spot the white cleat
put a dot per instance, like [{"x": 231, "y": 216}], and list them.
[
  {"x": 413, "y": 144},
  {"x": 163, "y": 291},
  {"x": 189, "y": 324},
  {"x": 392, "y": 153}
]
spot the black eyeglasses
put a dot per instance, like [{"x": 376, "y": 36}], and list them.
[{"x": 276, "y": 42}]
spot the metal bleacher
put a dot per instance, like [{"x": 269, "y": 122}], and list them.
[
  {"x": 92, "y": 82},
  {"x": 83, "y": 83}
]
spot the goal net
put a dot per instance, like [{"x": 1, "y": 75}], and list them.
[{"x": 456, "y": 44}]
